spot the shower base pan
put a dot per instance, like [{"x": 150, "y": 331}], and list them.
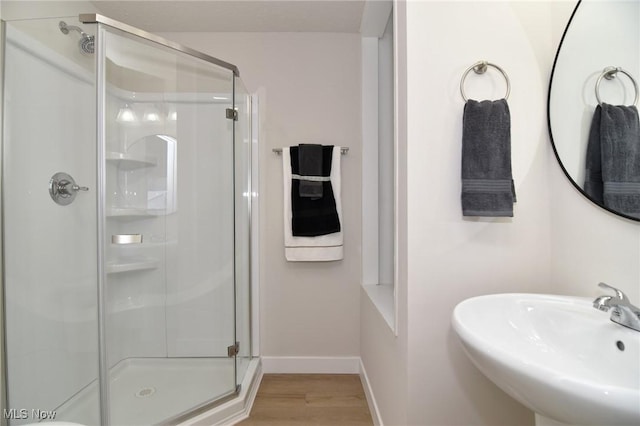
[{"x": 148, "y": 391}]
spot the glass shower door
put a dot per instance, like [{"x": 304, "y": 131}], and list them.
[{"x": 168, "y": 223}]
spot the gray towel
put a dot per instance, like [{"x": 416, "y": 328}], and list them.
[
  {"x": 487, "y": 184},
  {"x": 310, "y": 164},
  {"x": 620, "y": 156},
  {"x": 593, "y": 184}
]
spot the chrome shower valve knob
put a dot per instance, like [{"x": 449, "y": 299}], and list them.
[{"x": 63, "y": 188}]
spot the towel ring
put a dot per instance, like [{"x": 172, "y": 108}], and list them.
[
  {"x": 480, "y": 68},
  {"x": 610, "y": 73}
]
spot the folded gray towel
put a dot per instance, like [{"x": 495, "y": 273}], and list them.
[
  {"x": 487, "y": 184},
  {"x": 310, "y": 164},
  {"x": 593, "y": 184},
  {"x": 620, "y": 156}
]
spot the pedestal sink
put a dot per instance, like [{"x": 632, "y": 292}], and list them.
[{"x": 557, "y": 355}]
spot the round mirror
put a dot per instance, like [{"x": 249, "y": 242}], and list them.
[{"x": 593, "y": 120}]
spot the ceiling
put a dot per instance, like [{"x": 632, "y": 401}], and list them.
[{"x": 342, "y": 16}]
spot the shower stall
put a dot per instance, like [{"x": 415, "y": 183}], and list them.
[{"x": 125, "y": 225}]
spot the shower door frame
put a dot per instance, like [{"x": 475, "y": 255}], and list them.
[{"x": 95, "y": 18}]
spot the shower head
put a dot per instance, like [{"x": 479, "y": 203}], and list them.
[{"x": 86, "y": 43}]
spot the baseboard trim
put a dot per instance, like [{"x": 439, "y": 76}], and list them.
[
  {"x": 371, "y": 400},
  {"x": 310, "y": 365}
]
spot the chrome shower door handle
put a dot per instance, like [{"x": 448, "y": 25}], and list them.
[{"x": 63, "y": 188}]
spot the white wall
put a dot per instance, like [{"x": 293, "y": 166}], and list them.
[
  {"x": 451, "y": 257},
  {"x": 27, "y": 9},
  {"x": 309, "y": 88}
]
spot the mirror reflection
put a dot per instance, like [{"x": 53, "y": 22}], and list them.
[{"x": 593, "y": 118}]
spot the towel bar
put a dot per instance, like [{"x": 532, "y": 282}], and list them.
[
  {"x": 610, "y": 73},
  {"x": 343, "y": 150},
  {"x": 480, "y": 67}
]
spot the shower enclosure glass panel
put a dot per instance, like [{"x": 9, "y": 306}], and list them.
[
  {"x": 50, "y": 262},
  {"x": 170, "y": 294}
]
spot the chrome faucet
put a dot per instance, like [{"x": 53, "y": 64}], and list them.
[{"x": 622, "y": 311}]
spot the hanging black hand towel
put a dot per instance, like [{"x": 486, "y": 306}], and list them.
[
  {"x": 487, "y": 183},
  {"x": 311, "y": 217},
  {"x": 310, "y": 165}
]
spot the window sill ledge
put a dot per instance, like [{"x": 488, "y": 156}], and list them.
[{"x": 383, "y": 298}]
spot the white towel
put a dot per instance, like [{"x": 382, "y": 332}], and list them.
[{"x": 312, "y": 249}]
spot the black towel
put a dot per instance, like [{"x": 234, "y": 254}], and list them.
[
  {"x": 310, "y": 165},
  {"x": 312, "y": 217},
  {"x": 487, "y": 183},
  {"x": 613, "y": 159}
]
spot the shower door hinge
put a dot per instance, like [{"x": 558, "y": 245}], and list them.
[
  {"x": 233, "y": 350},
  {"x": 232, "y": 114}
]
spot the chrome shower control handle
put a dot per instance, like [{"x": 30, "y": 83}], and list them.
[{"x": 63, "y": 188}]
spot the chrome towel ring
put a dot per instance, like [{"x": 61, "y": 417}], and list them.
[
  {"x": 480, "y": 67},
  {"x": 609, "y": 73}
]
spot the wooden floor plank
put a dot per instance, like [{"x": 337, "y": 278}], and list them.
[{"x": 310, "y": 399}]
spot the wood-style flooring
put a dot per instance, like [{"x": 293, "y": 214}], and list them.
[{"x": 310, "y": 399}]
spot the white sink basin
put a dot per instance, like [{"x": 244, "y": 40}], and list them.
[{"x": 555, "y": 354}]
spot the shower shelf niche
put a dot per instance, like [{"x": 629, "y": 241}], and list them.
[
  {"x": 131, "y": 264},
  {"x": 126, "y": 162},
  {"x": 131, "y": 213}
]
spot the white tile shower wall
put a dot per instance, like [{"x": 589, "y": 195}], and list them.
[{"x": 309, "y": 86}]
